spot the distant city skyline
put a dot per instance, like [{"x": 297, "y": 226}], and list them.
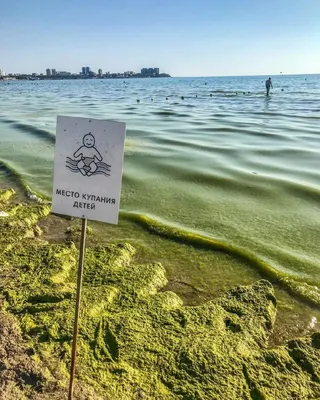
[
  {"x": 85, "y": 73},
  {"x": 194, "y": 38}
]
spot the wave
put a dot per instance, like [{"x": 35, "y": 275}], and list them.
[
  {"x": 169, "y": 113},
  {"x": 14, "y": 175},
  {"x": 48, "y": 136},
  {"x": 305, "y": 290},
  {"x": 42, "y": 133},
  {"x": 7, "y": 121},
  {"x": 291, "y": 115}
]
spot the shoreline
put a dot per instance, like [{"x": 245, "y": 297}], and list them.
[
  {"x": 127, "y": 317},
  {"x": 77, "y": 77},
  {"x": 306, "y": 290},
  {"x": 136, "y": 228}
]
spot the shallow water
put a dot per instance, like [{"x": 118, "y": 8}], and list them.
[{"x": 236, "y": 166}]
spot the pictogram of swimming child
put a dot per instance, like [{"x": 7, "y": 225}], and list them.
[{"x": 89, "y": 154}]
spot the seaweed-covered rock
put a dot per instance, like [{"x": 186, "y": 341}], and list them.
[{"x": 137, "y": 341}]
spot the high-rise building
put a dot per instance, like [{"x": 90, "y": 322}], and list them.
[
  {"x": 54, "y": 72},
  {"x": 100, "y": 72},
  {"x": 87, "y": 71},
  {"x": 83, "y": 69},
  {"x": 48, "y": 72},
  {"x": 63, "y": 73},
  {"x": 150, "y": 71},
  {"x": 2, "y": 72}
]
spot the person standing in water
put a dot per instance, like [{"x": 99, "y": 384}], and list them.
[{"x": 268, "y": 85}]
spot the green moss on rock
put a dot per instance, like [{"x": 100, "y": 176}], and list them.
[{"x": 137, "y": 341}]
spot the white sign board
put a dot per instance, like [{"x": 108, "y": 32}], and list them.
[{"x": 88, "y": 168}]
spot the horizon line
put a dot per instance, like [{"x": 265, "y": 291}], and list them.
[{"x": 237, "y": 76}]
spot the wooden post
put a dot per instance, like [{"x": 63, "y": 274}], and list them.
[{"x": 76, "y": 318}]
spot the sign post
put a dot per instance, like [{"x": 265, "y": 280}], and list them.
[
  {"x": 78, "y": 298},
  {"x": 87, "y": 183}
]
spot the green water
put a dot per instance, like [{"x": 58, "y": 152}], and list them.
[{"x": 239, "y": 168}]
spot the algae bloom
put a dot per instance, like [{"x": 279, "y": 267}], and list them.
[{"x": 136, "y": 341}]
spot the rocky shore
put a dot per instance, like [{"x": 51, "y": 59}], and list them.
[{"x": 136, "y": 341}]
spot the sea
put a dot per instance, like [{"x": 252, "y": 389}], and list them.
[{"x": 213, "y": 156}]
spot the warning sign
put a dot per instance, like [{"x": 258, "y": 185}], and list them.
[{"x": 88, "y": 166}]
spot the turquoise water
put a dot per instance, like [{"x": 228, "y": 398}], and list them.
[{"x": 238, "y": 167}]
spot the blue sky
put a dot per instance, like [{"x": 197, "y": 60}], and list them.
[{"x": 181, "y": 37}]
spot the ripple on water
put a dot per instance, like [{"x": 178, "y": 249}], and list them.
[
  {"x": 40, "y": 133},
  {"x": 235, "y": 166}
]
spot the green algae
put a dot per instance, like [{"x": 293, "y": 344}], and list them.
[
  {"x": 136, "y": 340},
  {"x": 20, "y": 376},
  {"x": 23, "y": 375},
  {"x": 6, "y": 194},
  {"x": 304, "y": 290},
  {"x": 17, "y": 178}
]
